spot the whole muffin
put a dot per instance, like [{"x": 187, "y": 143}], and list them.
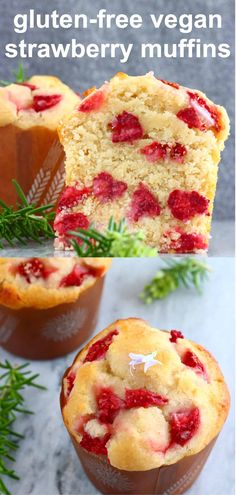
[
  {"x": 48, "y": 307},
  {"x": 30, "y": 149},
  {"x": 145, "y": 404},
  {"x": 146, "y": 150}
]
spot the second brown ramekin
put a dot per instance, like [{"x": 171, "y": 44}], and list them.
[{"x": 49, "y": 333}]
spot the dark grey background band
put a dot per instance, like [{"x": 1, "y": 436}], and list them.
[{"x": 214, "y": 76}]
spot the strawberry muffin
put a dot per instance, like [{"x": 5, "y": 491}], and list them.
[
  {"x": 49, "y": 307},
  {"x": 30, "y": 148},
  {"x": 143, "y": 408},
  {"x": 146, "y": 150}
]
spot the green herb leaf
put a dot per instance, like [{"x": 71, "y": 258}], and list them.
[
  {"x": 191, "y": 272},
  {"x": 13, "y": 380},
  {"x": 19, "y": 76},
  {"x": 25, "y": 221},
  {"x": 115, "y": 242}
]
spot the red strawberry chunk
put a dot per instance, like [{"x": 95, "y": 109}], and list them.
[
  {"x": 108, "y": 404},
  {"x": 44, "y": 102},
  {"x": 70, "y": 380},
  {"x": 187, "y": 243},
  {"x": 70, "y": 221},
  {"x": 71, "y": 196},
  {"x": 155, "y": 151},
  {"x": 99, "y": 349},
  {"x": 192, "y": 361},
  {"x": 106, "y": 188},
  {"x": 92, "y": 102},
  {"x": 175, "y": 335},
  {"x": 178, "y": 152},
  {"x": 191, "y": 118},
  {"x": 184, "y": 205},
  {"x": 76, "y": 277},
  {"x": 144, "y": 204},
  {"x": 126, "y": 127},
  {"x": 173, "y": 84},
  {"x": 34, "y": 268},
  {"x": 143, "y": 398},
  {"x": 211, "y": 117},
  {"x": 96, "y": 445},
  {"x": 184, "y": 425}
]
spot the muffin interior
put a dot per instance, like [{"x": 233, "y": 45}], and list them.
[{"x": 145, "y": 150}]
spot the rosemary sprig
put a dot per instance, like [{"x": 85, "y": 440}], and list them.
[
  {"x": 13, "y": 380},
  {"x": 188, "y": 273},
  {"x": 25, "y": 221},
  {"x": 19, "y": 76},
  {"x": 115, "y": 242}
]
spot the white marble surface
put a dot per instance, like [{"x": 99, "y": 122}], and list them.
[
  {"x": 222, "y": 244},
  {"x": 46, "y": 461}
]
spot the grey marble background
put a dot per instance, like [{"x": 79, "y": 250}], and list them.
[
  {"x": 213, "y": 76},
  {"x": 46, "y": 461}
]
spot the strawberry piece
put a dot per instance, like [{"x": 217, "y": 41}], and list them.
[
  {"x": 34, "y": 268},
  {"x": 175, "y": 334},
  {"x": 109, "y": 405},
  {"x": 144, "y": 204},
  {"x": 92, "y": 102},
  {"x": 191, "y": 118},
  {"x": 76, "y": 277},
  {"x": 71, "y": 196},
  {"x": 28, "y": 85},
  {"x": 184, "y": 205},
  {"x": 106, "y": 188},
  {"x": 189, "y": 243},
  {"x": 184, "y": 425},
  {"x": 172, "y": 84},
  {"x": 99, "y": 349},
  {"x": 44, "y": 102},
  {"x": 126, "y": 128},
  {"x": 155, "y": 151},
  {"x": 178, "y": 152},
  {"x": 192, "y": 361},
  {"x": 210, "y": 116},
  {"x": 96, "y": 445},
  {"x": 70, "y": 221},
  {"x": 70, "y": 380},
  {"x": 143, "y": 398}
]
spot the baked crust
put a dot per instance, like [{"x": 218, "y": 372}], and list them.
[
  {"x": 140, "y": 436},
  {"x": 15, "y": 98},
  {"x": 17, "y": 293}
]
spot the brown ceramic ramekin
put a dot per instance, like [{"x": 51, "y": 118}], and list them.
[{"x": 49, "y": 333}]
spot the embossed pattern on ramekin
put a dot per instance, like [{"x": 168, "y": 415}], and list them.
[
  {"x": 107, "y": 475},
  {"x": 65, "y": 326}
]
